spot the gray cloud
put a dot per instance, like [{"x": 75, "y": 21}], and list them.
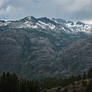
[{"x": 69, "y": 9}]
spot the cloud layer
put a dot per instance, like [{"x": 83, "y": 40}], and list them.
[{"x": 69, "y": 9}]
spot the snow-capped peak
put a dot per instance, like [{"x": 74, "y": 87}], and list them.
[
  {"x": 34, "y": 23},
  {"x": 52, "y": 24},
  {"x": 4, "y": 23},
  {"x": 78, "y": 26},
  {"x": 29, "y": 18}
]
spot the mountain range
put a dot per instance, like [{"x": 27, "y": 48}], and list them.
[{"x": 34, "y": 47}]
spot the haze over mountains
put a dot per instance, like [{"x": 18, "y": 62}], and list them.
[{"x": 45, "y": 47}]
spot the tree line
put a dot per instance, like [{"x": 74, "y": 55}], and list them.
[{"x": 10, "y": 82}]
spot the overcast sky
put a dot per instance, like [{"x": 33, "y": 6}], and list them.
[{"x": 67, "y": 9}]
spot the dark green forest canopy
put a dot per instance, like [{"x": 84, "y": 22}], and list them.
[{"x": 9, "y": 82}]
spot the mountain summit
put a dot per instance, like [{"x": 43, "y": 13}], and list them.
[{"x": 50, "y": 24}]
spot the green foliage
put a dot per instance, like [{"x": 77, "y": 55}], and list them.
[
  {"x": 90, "y": 73},
  {"x": 89, "y": 87},
  {"x": 84, "y": 76},
  {"x": 11, "y": 83}
]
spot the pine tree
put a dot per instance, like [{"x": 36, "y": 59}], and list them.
[
  {"x": 9, "y": 83},
  {"x": 89, "y": 87}
]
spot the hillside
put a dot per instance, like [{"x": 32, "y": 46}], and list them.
[
  {"x": 77, "y": 57},
  {"x": 35, "y": 46}
]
